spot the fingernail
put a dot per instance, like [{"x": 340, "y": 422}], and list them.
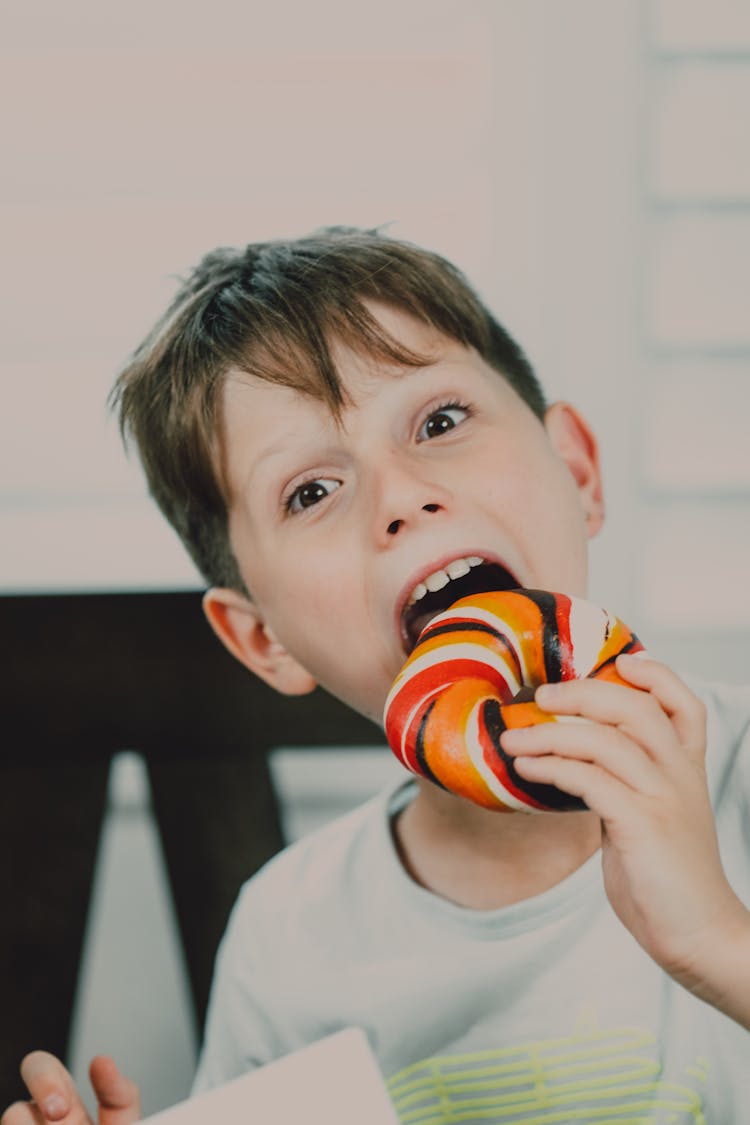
[
  {"x": 546, "y": 693},
  {"x": 55, "y": 1107}
]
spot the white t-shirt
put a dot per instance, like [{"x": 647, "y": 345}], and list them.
[{"x": 543, "y": 1011}]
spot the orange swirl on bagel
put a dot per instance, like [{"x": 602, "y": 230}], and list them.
[{"x": 455, "y": 694}]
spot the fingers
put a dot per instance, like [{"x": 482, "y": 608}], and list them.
[
  {"x": 52, "y": 1091},
  {"x": 664, "y": 718},
  {"x": 22, "y": 1113},
  {"x": 585, "y": 742},
  {"x": 598, "y": 790},
  {"x": 611, "y": 743},
  {"x": 118, "y": 1097},
  {"x": 55, "y": 1100},
  {"x": 686, "y": 712}
]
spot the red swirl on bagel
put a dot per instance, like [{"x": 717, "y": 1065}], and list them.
[{"x": 456, "y": 693}]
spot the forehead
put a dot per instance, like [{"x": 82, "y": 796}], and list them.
[{"x": 250, "y": 401}]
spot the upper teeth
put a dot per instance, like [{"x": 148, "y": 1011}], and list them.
[{"x": 440, "y": 578}]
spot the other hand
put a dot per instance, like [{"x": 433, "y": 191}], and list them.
[{"x": 56, "y": 1101}]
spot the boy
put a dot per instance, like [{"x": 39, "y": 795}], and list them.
[{"x": 328, "y": 423}]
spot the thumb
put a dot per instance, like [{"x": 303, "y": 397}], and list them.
[{"x": 118, "y": 1098}]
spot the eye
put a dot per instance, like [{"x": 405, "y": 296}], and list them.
[
  {"x": 441, "y": 420},
  {"x": 310, "y": 493}
]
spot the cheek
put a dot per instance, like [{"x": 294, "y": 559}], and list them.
[
  {"x": 495, "y": 477},
  {"x": 321, "y": 600},
  {"x": 551, "y": 488},
  {"x": 309, "y": 603},
  {"x": 513, "y": 490}
]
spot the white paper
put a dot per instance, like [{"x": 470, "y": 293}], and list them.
[{"x": 335, "y": 1081}]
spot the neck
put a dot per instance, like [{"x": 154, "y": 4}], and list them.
[{"x": 483, "y": 859}]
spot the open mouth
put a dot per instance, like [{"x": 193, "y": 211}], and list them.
[{"x": 473, "y": 575}]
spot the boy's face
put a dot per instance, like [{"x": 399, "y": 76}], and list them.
[{"x": 335, "y": 524}]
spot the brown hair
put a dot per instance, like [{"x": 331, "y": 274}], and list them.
[{"x": 273, "y": 310}]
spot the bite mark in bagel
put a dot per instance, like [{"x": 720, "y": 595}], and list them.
[{"x": 480, "y": 579}]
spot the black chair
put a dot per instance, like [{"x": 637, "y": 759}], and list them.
[{"x": 89, "y": 675}]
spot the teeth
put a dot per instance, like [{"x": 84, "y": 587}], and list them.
[
  {"x": 436, "y": 581},
  {"x": 458, "y": 568},
  {"x": 440, "y": 578}
]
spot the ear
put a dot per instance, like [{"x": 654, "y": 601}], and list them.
[
  {"x": 240, "y": 627},
  {"x": 574, "y": 441}
]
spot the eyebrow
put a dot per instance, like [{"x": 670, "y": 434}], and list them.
[
  {"x": 266, "y": 456},
  {"x": 279, "y": 449}
]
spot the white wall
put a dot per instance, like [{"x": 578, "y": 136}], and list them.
[
  {"x": 693, "y": 484},
  {"x": 585, "y": 162},
  {"x": 140, "y": 136}
]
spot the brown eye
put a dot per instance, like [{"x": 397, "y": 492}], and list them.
[
  {"x": 310, "y": 493},
  {"x": 442, "y": 420}
]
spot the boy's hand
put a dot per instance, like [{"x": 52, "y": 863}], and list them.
[
  {"x": 640, "y": 764},
  {"x": 54, "y": 1098}
]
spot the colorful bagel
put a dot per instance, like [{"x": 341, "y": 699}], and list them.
[{"x": 455, "y": 694}]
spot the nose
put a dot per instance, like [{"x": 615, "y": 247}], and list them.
[
  {"x": 405, "y": 497},
  {"x": 395, "y": 525}
]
